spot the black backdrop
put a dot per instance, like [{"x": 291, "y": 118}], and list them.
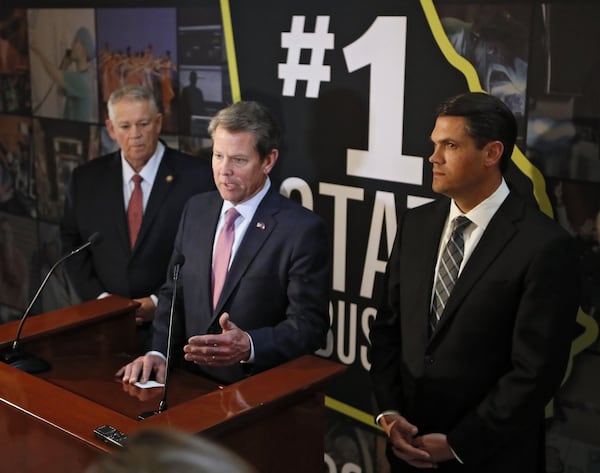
[{"x": 383, "y": 67}]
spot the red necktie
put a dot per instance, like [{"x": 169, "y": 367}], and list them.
[
  {"x": 223, "y": 253},
  {"x": 135, "y": 209}
]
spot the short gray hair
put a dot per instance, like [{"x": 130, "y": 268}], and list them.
[{"x": 133, "y": 93}]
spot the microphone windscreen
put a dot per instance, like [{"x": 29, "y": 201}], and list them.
[
  {"x": 179, "y": 259},
  {"x": 95, "y": 238}
]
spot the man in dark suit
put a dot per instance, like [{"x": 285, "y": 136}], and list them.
[
  {"x": 99, "y": 198},
  {"x": 461, "y": 380},
  {"x": 273, "y": 304}
]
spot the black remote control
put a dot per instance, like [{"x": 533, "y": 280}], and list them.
[{"x": 110, "y": 435}]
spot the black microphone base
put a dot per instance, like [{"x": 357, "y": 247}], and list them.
[
  {"x": 25, "y": 362},
  {"x": 145, "y": 415}
]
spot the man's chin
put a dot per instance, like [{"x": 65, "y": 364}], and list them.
[
  {"x": 436, "y": 187},
  {"x": 139, "y": 152},
  {"x": 139, "y": 155},
  {"x": 228, "y": 195}
]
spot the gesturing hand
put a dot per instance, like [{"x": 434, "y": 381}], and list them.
[{"x": 231, "y": 346}]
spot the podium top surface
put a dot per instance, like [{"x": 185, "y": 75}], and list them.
[{"x": 85, "y": 347}]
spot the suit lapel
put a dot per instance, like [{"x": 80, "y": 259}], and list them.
[
  {"x": 498, "y": 233},
  {"x": 204, "y": 236},
  {"x": 114, "y": 200},
  {"x": 163, "y": 183}
]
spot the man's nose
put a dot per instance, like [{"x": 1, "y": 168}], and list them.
[
  {"x": 226, "y": 167},
  {"x": 435, "y": 157},
  {"x": 135, "y": 130}
]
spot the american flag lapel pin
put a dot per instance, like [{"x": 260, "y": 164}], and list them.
[{"x": 260, "y": 225}]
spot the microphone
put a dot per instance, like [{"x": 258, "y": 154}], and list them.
[
  {"x": 15, "y": 357},
  {"x": 178, "y": 262}
]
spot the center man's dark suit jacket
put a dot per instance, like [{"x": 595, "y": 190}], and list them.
[
  {"x": 277, "y": 288},
  {"x": 500, "y": 349},
  {"x": 95, "y": 204}
]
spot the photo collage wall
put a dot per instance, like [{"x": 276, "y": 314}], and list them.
[{"x": 57, "y": 70}]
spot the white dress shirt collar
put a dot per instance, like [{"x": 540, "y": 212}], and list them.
[{"x": 481, "y": 214}]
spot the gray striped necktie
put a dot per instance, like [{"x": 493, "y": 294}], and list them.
[{"x": 452, "y": 257}]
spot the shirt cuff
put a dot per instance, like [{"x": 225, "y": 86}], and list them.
[
  {"x": 455, "y": 455},
  {"x": 157, "y": 353},
  {"x": 154, "y": 299},
  {"x": 385, "y": 413},
  {"x": 251, "y": 357}
]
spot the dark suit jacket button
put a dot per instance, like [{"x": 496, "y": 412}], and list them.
[{"x": 429, "y": 360}]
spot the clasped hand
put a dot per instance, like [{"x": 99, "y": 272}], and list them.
[{"x": 419, "y": 451}]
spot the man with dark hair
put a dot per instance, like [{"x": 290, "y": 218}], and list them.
[
  {"x": 473, "y": 331},
  {"x": 254, "y": 289},
  {"x": 132, "y": 259}
]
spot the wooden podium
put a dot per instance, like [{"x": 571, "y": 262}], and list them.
[{"x": 275, "y": 419}]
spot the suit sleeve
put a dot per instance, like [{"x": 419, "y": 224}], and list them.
[
  {"x": 304, "y": 325},
  {"x": 385, "y": 336},
  {"x": 79, "y": 267},
  {"x": 544, "y": 326},
  {"x": 160, "y": 324}
]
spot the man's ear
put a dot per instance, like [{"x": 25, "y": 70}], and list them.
[
  {"x": 270, "y": 160},
  {"x": 493, "y": 152},
  {"x": 111, "y": 129},
  {"x": 159, "y": 121}
]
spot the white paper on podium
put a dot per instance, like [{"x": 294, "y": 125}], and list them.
[{"x": 149, "y": 384}]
